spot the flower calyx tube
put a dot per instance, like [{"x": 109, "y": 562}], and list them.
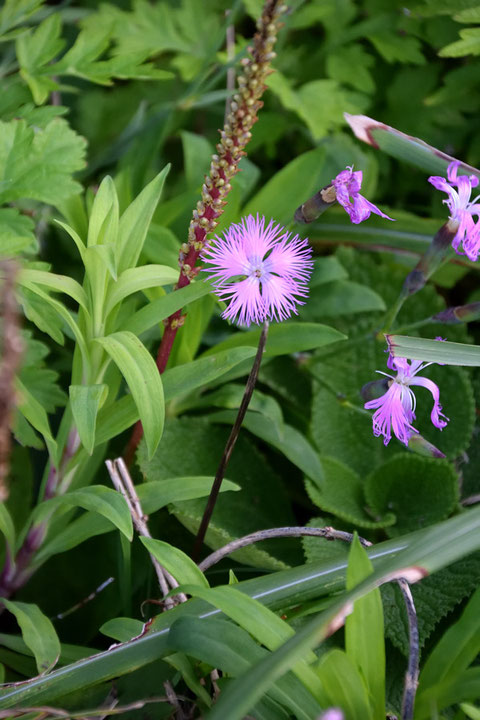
[{"x": 344, "y": 189}]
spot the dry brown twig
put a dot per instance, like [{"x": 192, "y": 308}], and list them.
[{"x": 123, "y": 483}]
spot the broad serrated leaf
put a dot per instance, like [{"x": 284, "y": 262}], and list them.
[
  {"x": 39, "y": 164},
  {"x": 469, "y": 44},
  {"x": 394, "y": 47},
  {"x": 37, "y": 632},
  {"x": 15, "y": 12},
  {"x": 36, "y": 415},
  {"x": 418, "y": 491},
  {"x": 16, "y": 233},
  {"x": 341, "y": 493},
  {"x": 435, "y": 597},
  {"x": 285, "y": 438},
  {"x": 257, "y": 505},
  {"x": 35, "y": 50},
  {"x": 340, "y": 426}
]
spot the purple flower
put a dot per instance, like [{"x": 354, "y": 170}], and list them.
[
  {"x": 461, "y": 209},
  {"x": 261, "y": 271},
  {"x": 347, "y": 185},
  {"x": 396, "y": 408}
]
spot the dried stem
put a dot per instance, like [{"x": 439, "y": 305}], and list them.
[
  {"x": 232, "y": 439},
  {"x": 328, "y": 533},
  {"x": 12, "y": 348},
  {"x": 123, "y": 483},
  {"x": 234, "y": 137}
]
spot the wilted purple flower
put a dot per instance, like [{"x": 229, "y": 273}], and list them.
[
  {"x": 347, "y": 185},
  {"x": 262, "y": 271},
  {"x": 396, "y": 408},
  {"x": 461, "y": 209}
]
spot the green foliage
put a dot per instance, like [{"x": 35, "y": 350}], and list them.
[
  {"x": 417, "y": 491},
  {"x": 38, "y": 633},
  {"x": 97, "y": 236}
]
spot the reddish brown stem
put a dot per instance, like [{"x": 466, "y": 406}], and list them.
[{"x": 233, "y": 138}]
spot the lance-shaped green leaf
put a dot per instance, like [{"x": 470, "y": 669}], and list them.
[
  {"x": 437, "y": 351},
  {"x": 135, "y": 221},
  {"x": 183, "y": 569},
  {"x": 103, "y": 224},
  {"x": 86, "y": 400},
  {"x": 344, "y": 685},
  {"x": 161, "y": 308},
  {"x": 98, "y": 499},
  {"x": 38, "y": 633},
  {"x": 35, "y": 413},
  {"x": 142, "y": 376},
  {"x": 6, "y": 526},
  {"x": 284, "y": 338},
  {"x": 224, "y": 645},
  {"x": 404, "y": 147},
  {"x": 431, "y": 548},
  {"x": 176, "y": 381},
  {"x": 414, "y": 561},
  {"x": 263, "y": 624},
  {"x": 153, "y": 496},
  {"x": 139, "y": 278},
  {"x": 57, "y": 283},
  {"x": 364, "y": 636},
  {"x": 62, "y": 311}
]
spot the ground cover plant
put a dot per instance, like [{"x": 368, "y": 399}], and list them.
[{"x": 239, "y": 257}]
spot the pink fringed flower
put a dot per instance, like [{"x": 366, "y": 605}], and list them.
[
  {"x": 347, "y": 185},
  {"x": 396, "y": 408},
  {"x": 462, "y": 209},
  {"x": 261, "y": 271}
]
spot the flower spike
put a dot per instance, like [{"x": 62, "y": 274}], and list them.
[
  {"x": 262, "y": 271},
  {"x": 347, "y": 185},
  {"x": 395, "y": 410},
  {"x": 462, "y": 209}
]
